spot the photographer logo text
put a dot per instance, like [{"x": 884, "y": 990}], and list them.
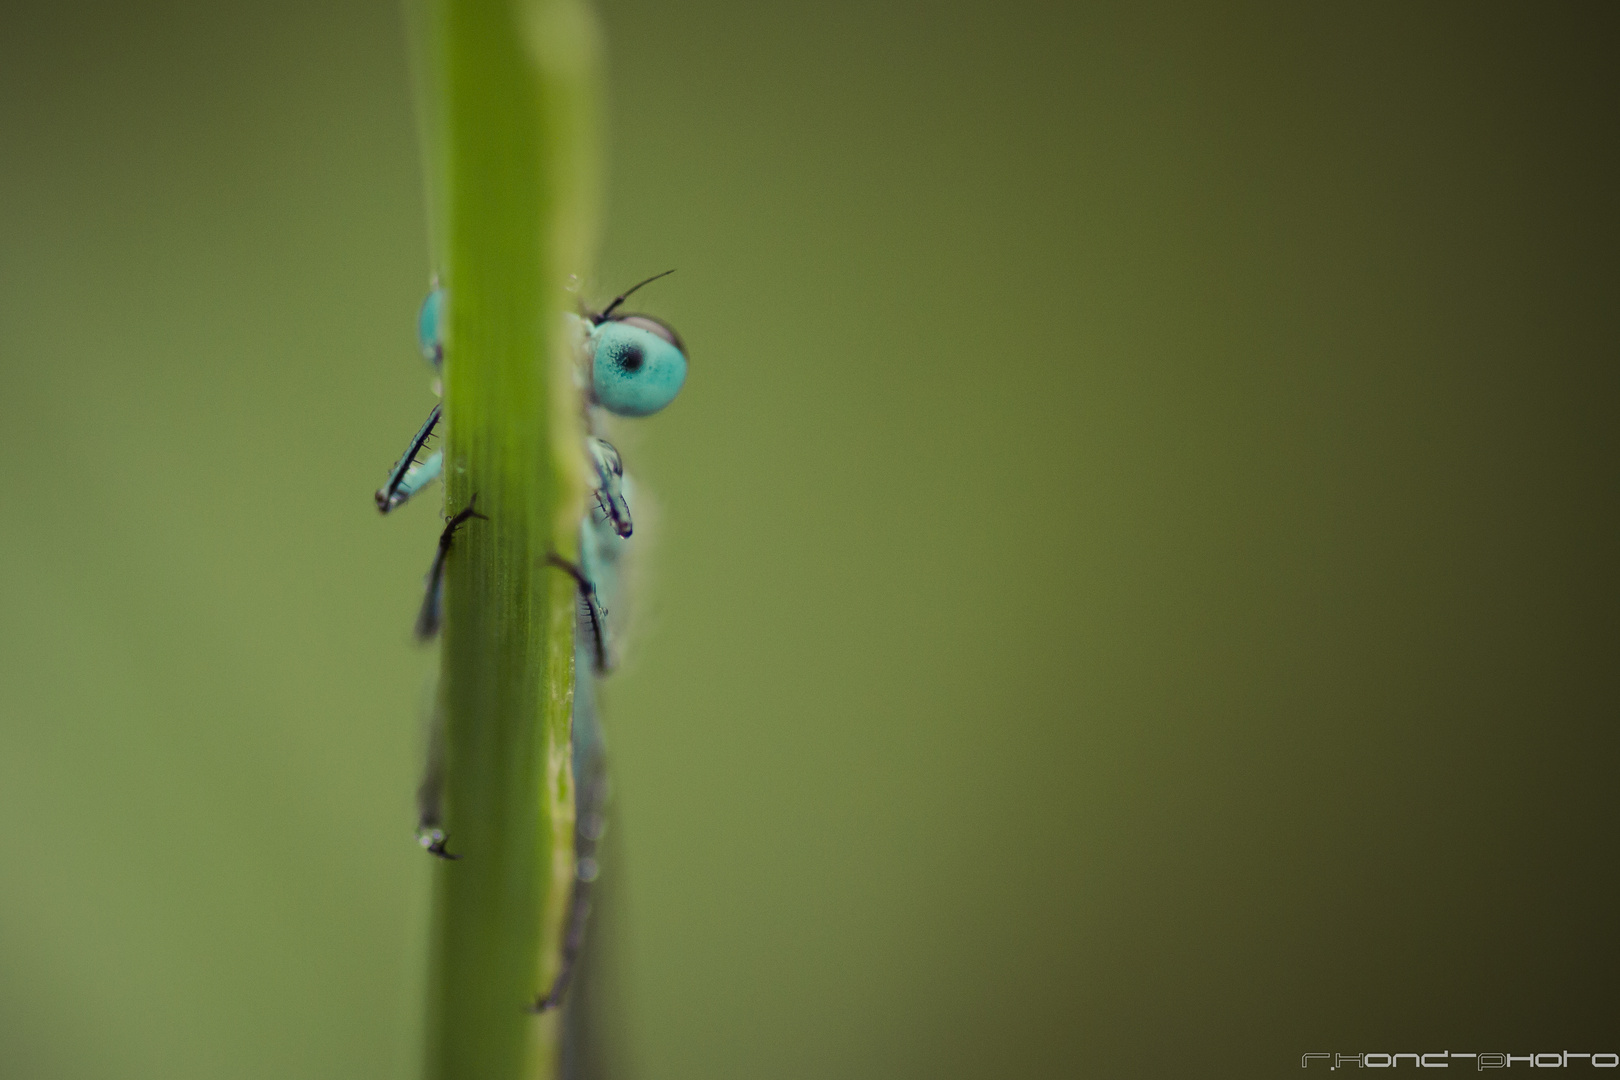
[{"x": 1444, "y": 1059}]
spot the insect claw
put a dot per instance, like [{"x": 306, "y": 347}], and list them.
[
  {"x": 433, "y": 842},
  {"x": 460, "y": 519}
]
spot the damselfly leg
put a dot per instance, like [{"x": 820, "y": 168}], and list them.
[
  {"x": 589, "y": 823},
  {"x": 611, "y": 504},
  {"x": 412, "y": 472},
  {"x": 432, "y": 613},
  {"x": 592, "y": 615},
  {"x": 590, "y": 783},
  {"x": 430, "y": 792}
]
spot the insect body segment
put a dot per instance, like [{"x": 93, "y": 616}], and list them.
[
  {"x": 430, "y": 327},
  {"x": 600, "y": 548}
]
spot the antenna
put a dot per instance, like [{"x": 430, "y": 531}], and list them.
[{"x": 622, "y": 297}]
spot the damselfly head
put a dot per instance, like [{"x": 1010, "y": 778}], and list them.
[{"x": 638, "y": 363}]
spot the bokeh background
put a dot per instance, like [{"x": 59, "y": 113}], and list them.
[{"x": 1135, "y": 591}]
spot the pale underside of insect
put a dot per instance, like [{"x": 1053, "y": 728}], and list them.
[{"x": 629, "y": 365}]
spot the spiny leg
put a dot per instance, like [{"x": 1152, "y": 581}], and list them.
[
  {"x": 593, "y": 613},
  {"x": 430, "y": 792},
  {"x": 609, "y": 493},
  {"x": 408, "y": 476},
  {"x": 432, "y": 613},
  {"x": 612, "y": 507}
]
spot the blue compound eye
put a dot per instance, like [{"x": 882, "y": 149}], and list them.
[
  {"x": 637, "y": 365},
  {"x": 430, "y": 328}
]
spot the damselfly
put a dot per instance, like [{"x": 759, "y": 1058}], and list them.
[{"x": 628, "y": 365}]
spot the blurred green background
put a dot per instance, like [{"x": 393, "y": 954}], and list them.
[{"x": 1135, "y": 591}]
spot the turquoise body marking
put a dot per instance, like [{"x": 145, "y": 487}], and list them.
[
  {"x": 430, "y": 327},
  {"x": 424, "y": 474}
]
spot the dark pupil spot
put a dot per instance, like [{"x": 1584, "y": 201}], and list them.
[{"x": 631, "y": 358}]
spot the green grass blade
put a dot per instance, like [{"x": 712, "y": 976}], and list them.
[{"x": 517, "y": 79}]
